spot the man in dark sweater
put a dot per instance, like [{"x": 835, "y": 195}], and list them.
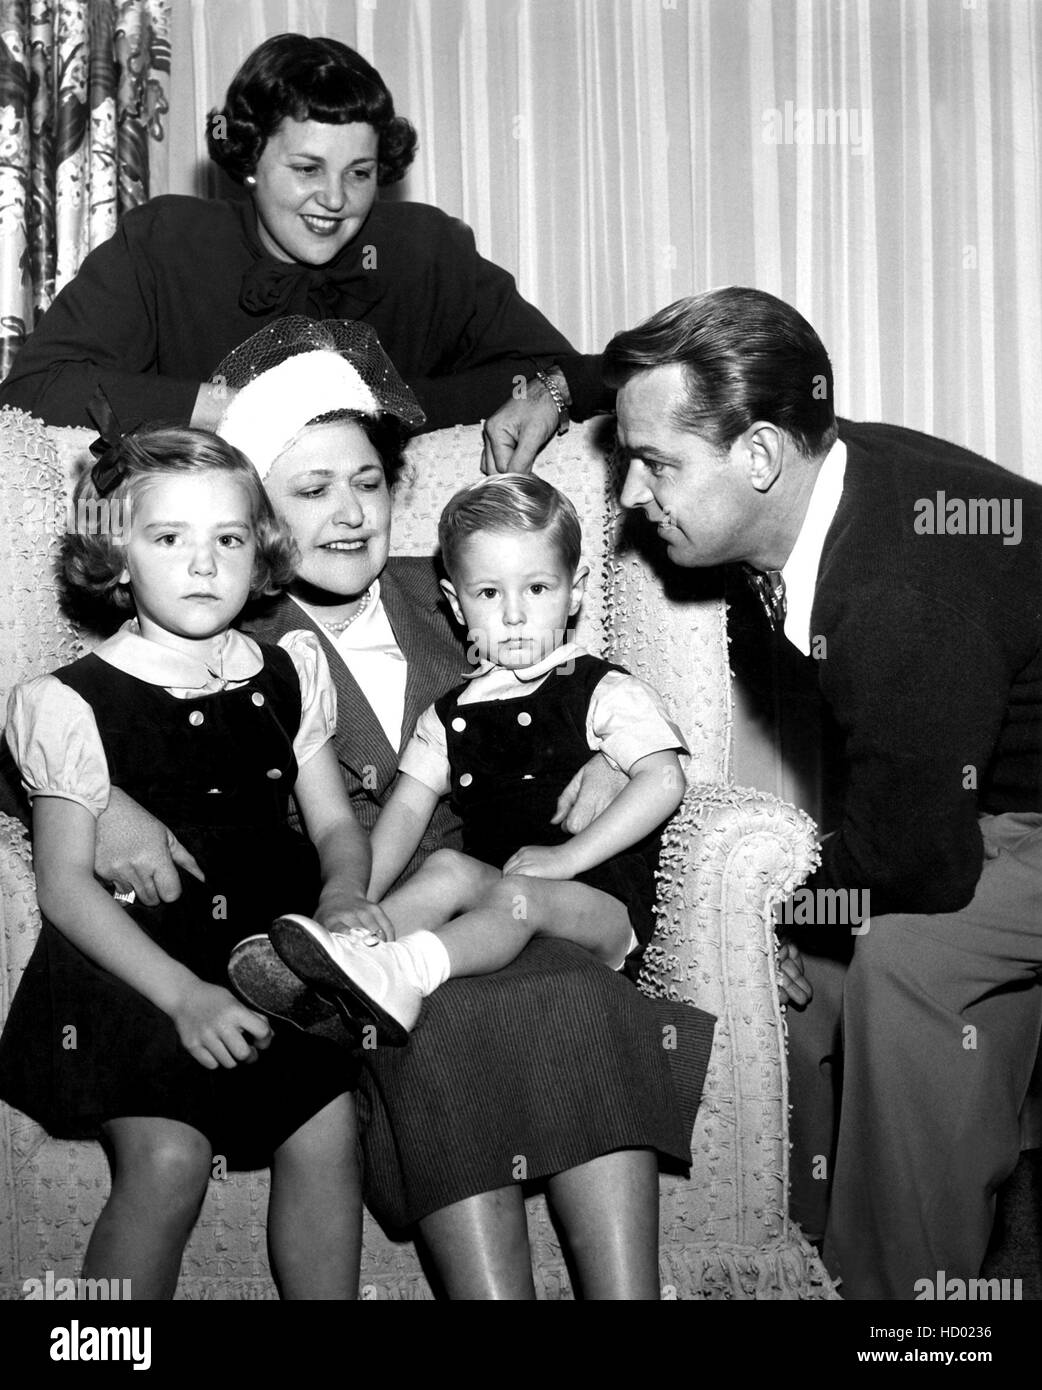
[{"x": 912, "y": 571}]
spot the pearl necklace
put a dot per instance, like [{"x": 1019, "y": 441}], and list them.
[{"x": 337, "y": 628}]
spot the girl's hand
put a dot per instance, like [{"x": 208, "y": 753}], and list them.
[
  {"x": 216, "y": 1029},
  {"x": 540, "y": 861},
  {"x": 366, "y": 922}
]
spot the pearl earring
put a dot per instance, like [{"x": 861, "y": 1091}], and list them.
[{"x": 250, "y": 181}]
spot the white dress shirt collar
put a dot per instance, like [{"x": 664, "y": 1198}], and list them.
[
  {"x": 800, "y": 572},
  {"x": 237, "y": 658},
  {"x": 369, "y": 630}
]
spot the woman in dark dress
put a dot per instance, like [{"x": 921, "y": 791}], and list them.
[{"x": 310, "y": 129}]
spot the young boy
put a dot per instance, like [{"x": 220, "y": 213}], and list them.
[{"x": 504, "y": 744}]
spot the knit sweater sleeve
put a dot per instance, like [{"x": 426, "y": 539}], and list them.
[
  {"x": 501, "y": 341},
  {"x": 102, "y": 329}
]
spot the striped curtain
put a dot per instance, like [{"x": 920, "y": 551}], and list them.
[
  {"x": 83, "y": 93},
  {"x": 877, "y": 163}
]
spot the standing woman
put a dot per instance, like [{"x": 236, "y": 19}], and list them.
[{"x": 309, "y": 128}]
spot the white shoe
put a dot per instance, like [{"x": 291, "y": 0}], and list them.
[{"x": 366, "y": 979}]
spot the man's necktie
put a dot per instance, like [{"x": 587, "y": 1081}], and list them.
[{"x": 769, "y": 587}]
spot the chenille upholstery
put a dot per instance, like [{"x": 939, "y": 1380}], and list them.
[{"x": 730, "y": 855}]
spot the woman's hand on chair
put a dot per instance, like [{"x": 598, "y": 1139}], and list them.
[{"x": 519, "y": 430}]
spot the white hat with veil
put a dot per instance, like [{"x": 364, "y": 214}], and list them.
[{"x": 299, "y": 370}]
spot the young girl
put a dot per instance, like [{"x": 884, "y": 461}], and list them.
[
  {"x": 122, "y": 1027},
  {"x": 504, "y": 745}
]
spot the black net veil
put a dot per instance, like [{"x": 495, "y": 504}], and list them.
[{"x": 356, "y": 342}]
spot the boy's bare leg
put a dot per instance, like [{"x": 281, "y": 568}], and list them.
[
  {"x": 515, "y": 909},
  {"x": 448, "y": 883}
]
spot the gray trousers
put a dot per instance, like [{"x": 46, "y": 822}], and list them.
[{"x": 938, "y": 1016}]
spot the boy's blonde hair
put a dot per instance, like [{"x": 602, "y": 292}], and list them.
[{"x": 509, "y": 502}]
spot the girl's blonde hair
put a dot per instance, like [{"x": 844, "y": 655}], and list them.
[
  {"x": 93, "y": 556},
  {"x": 510, "y": 502}
]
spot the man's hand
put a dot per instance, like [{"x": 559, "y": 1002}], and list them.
[
  {"x": 793, "y": 986},
  {"x": 519, "y": 430},
  {"x": 216, "y": 1029},
  {"x": 590, "y": 792},
  {"x": 137, "y": 853},
  {"x": 540, "y": 861}
]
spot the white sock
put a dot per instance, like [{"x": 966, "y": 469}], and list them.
[{"x": 423, "y": 960}]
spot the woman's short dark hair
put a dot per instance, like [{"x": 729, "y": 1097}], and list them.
[
  {"x": 304, "y": 79},
  {"x": 385, "y": 433},
  {"x": 747, "y": 356},
  {"x": 93, "y": 555}
]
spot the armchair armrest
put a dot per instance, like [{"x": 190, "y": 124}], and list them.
[
  {"x": 19, "y": 914},
  {"x": 728, "y": 856}
]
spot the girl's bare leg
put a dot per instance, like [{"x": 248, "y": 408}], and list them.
[
  {"x": 480, "y": 1247},
  {"x": 315, "y": 1208},
  {"x": 608, "y": 1209},
  {"x": 160, "y": 1169}
]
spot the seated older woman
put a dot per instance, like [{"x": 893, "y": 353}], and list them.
[
  {"x": 310, "y": 128},
  {"x": 552, "y": 1069}
]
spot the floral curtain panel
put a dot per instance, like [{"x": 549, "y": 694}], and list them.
[{"x": 83, "y": 94}]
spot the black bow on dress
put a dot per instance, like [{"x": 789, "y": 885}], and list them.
[{"x": 318, "y": 291}]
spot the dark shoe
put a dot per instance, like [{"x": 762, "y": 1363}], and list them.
[{"x": 260, "y": 978}]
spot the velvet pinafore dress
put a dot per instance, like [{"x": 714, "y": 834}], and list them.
[
  {"x": 80, "y": 1046},
  {"x": 510, "y": 760}
]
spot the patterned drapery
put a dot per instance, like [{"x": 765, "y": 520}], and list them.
[{"x": 83, "y": 88}]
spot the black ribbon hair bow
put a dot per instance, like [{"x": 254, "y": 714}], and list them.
[{"x": 109, "y": 468}]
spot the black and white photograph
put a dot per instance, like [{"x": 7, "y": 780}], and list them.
[{"x": 382, "y": 381}]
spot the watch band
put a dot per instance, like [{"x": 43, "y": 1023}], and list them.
[{"x": 555, "y": 394}]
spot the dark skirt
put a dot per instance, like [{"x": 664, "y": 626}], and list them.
[
  {"x": 545, "y": 1065},
  {"x": 81, "y": 1047}
]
